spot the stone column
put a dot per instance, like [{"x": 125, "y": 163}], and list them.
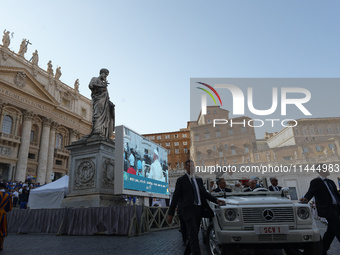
[
  {"x": 20, "y": 174},
  {"x": 337, "y": 147},
  {"x": 43, "y": 151},
  {"x": 10, "y": 171},
  {"x": 50, "y": 159},
  {"x": 1, "y": 107}
]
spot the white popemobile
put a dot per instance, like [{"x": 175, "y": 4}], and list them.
[{"x": 261, "y": 218}]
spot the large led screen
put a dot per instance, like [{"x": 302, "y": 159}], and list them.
[{"x": 143, "y": 164}]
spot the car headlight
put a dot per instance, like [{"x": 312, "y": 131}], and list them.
[
  {"x": 230, "y": 214},
  {"x": 303, "y": 212}
]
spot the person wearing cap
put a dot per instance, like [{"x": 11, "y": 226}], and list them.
[
  {"x": 6, "y": 205},
  {"x": 156, "y": 171}
]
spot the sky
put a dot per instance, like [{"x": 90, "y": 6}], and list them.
[{"x": 153, "y": 47}]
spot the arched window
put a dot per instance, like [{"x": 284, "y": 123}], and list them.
[
  {"x": 59, "y": 141},
  {"x": 7, "y": 124},
  {"x": 32, "y": 136},
  {"x": 34, "y": 133}
]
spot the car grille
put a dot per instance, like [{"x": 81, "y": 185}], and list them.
[{"x": 280, "y": 215}]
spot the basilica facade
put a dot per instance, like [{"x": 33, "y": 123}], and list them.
[{"x": 39, "y": 116}]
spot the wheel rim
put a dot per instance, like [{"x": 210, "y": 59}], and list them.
[{"x": 213, "y": 244}]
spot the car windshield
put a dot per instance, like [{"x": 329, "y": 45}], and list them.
[{"x": 239, "y": 187}]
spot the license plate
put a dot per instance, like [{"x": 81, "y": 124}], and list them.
[{"x": 271, "y": 230}]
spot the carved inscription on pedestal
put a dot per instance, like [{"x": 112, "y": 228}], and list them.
[
  {"x": 85, "y": 173},
  {"x": 108, "y": 173},
  {"x": 108, "y": 149}
]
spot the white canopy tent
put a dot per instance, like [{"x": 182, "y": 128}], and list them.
[{"x": 50, "y": 195}]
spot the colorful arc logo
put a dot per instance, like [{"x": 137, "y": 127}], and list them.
[{"x": 209, "y": 93}]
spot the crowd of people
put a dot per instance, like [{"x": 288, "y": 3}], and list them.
[
  {"x": 19, "y": 192},
  {"x": 12, "y": 194},
  {"x": 145, "y": 165}
]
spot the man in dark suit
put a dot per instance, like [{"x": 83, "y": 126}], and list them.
[
  {"x": 251, "y": 186},
  {"x": 183, "y": 228},
  {"x": 193, "y": 197},
  {"x": 274, "y": 186},
  {"x": 327, "y": 200},
  {"x": 222, "y": 186}
]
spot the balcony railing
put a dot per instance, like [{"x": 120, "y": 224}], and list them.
[
  {"x": 61, "y": 153},
  {"x": 9, "y": 139},
  {"x": 35, "y": 144}
]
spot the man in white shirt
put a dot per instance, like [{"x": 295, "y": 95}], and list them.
[{"x": 15, "y": 197}]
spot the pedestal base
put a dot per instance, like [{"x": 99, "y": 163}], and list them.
[
  {"x": 96, "y": 200},
  {"x": 92, "y": 173}
]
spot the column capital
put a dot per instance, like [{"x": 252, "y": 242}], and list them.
[
  {"x": 54, "y": 125},
  {"x": 74, "y": 132},
  {"x": 28, "y": 115},
  {"x": 47, "y": 121}
]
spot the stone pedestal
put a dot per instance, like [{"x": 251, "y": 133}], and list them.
[{"x": 92, "y": 172}]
